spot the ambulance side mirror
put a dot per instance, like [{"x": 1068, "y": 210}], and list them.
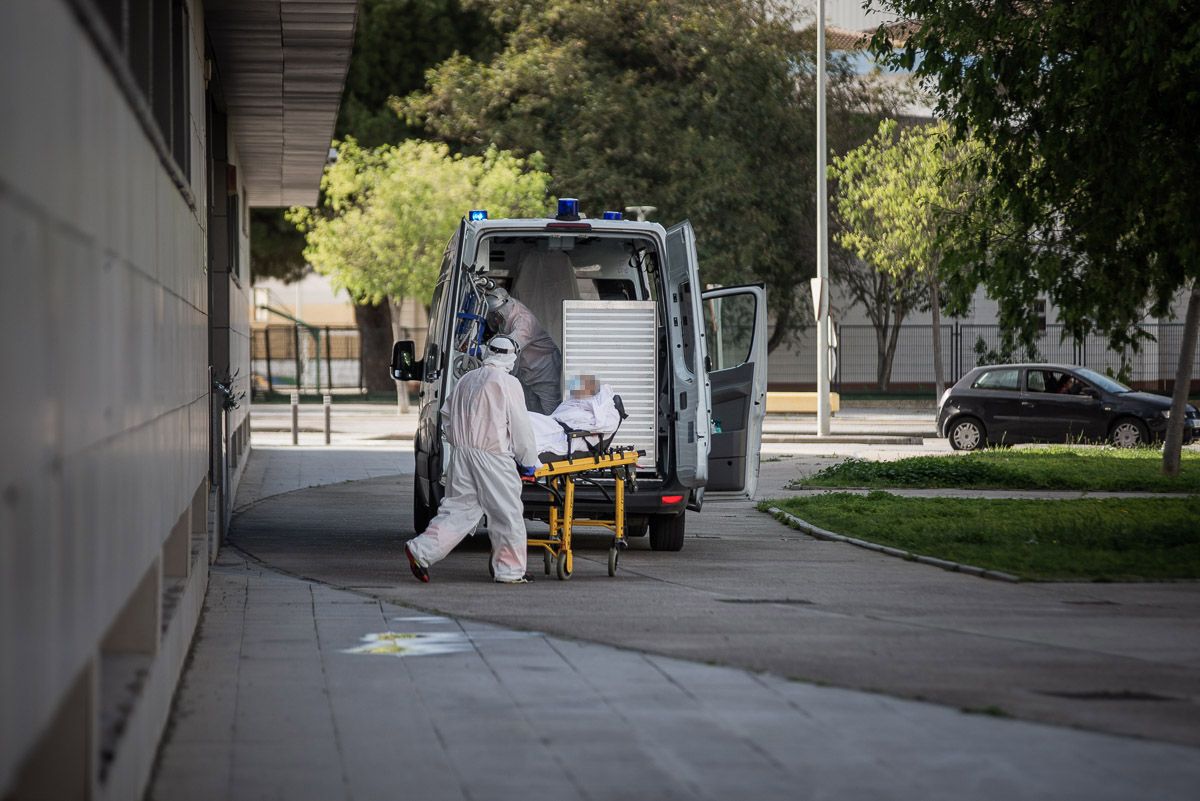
[{"x": 405, "y": 366}]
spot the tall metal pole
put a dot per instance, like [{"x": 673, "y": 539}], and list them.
[{"x": 822, "y": 302}]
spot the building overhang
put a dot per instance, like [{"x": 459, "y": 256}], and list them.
[{"x": 282, "y": 65}]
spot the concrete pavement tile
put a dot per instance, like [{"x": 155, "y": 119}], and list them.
[
  {"x": 288, "y": 769},
  {"x": 192, "y": 771}
]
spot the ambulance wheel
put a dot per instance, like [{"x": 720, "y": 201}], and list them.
[
  {"x": 666, "y": 532},
  {"x": 614, "y": 556},
  {"x": 636, "y": 526},
  {"x": 546, "y": 560},
  {"x": 564, "y": 566}
]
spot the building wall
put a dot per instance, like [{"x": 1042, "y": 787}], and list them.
[{"x": 104, "y": 501}]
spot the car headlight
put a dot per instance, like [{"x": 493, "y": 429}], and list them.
[{"x": 1166, "y": 413}]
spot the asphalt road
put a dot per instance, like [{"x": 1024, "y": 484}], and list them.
[{"x": 749, "y": 592}]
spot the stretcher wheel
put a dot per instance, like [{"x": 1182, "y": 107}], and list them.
[
  {"x": 614, "y": 556},
  {"x": 546, "y": 560},
  {"x": 564, "y": 566}
]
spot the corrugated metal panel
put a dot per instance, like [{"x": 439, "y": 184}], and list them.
[{"x": 616, "y": 341}]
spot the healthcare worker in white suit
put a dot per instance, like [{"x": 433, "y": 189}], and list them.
[
  {"x": 487, "y": 427},
  {"x": 539, "y": 365}
]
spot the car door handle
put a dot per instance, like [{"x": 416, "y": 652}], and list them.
[{"x": 1027, "y": 403}]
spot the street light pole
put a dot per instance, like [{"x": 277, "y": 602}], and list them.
[{"x": 821, "y": 290}]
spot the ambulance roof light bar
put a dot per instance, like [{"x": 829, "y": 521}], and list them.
[{"x": 475, "y": 215}]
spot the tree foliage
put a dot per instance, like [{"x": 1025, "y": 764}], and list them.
[
  {"x": 395, "y": 42},
  {"x": 1090, "y": 113},
  {"x": 899, "y": 199},
  {"x": 705, "y": 110},
  {"x": 388, "y": 211}
]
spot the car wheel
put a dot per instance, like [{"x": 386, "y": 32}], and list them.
[
  {"x": 966, "y": 434},
  {"x": 422, "y": 514},
  {"x": 666, "y": 532},
  {"x": 1129, "y": 432}
]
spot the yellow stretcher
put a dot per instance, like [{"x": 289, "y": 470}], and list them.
[{"x": 558, "y": 479}]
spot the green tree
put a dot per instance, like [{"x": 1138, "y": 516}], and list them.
[
  {"x": 897, "y": 193},
  {"x": 705, "y": 110},
  {"x": 395, "y": 42},
  {"x": 388, "y": 211},
  {"x": 1090, "y": 113}
]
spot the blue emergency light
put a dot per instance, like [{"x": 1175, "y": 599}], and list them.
[
  {"x": 613, "y": 215},
  {"x": 475, "y": 215},
  {"x": 568, "y": 208}
]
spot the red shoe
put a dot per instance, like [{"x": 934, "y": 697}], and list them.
[{"x": 421, "y": 574}]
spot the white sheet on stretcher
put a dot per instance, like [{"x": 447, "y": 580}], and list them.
[{"x": 596, "y": 413}]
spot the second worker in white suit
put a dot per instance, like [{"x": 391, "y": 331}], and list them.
[{"x": 485, "y": 422}]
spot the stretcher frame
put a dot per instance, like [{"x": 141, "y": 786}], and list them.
[{"x": 558, "y": 478}]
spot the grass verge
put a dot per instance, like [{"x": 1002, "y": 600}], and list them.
[
  {"x": 1088, "y": 539},
  {"x": 1050, "y": 468}
]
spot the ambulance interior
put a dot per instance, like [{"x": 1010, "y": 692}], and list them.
[{"x": 542, "y": 272}]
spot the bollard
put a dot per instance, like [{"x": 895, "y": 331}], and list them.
[
  {"x": 328, "y": 407},
  {"x": 295, "y": 418}
]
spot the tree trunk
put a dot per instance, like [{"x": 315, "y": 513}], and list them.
[
  {"x": 1183, "y": 384},
  {"x": 890, "y": 352},
  {"x": 375, "y": 339},
  {"x": 883, "y": 365},
  {"x": 782, "y": 328},
  {"x": 935, "y": 305}
]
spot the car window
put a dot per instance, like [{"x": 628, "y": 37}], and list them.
[
  {"x": 999, "y": 379},
  {"x": 1052, "y": 381}
]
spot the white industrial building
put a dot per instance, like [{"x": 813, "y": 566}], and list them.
[{"x": 136, "y": 133}]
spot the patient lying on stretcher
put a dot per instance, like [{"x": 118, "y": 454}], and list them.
[{"x": 589, "y": 407}]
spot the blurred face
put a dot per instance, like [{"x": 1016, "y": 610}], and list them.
[{"x": 583, "y": 386}]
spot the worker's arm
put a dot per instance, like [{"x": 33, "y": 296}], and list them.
[{"x": 524, "y": 443}]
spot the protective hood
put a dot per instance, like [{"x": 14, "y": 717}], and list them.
[{"x": 501, "y": 352}]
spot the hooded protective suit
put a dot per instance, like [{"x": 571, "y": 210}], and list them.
[
  {"x": 486, "y": 424},
  {"x": 539, "y": 364}
]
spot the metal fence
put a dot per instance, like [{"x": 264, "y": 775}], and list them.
[
  {"x": 313, "y": 359},
  {"x": 285, "y": 358},
  {"x": 1152, "y": 366}
]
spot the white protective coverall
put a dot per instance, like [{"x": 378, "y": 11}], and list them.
[
  {"x": 486, "y": 424},
  {"x": 590, "y": 413},
  {"x": 539, "y": 364}
]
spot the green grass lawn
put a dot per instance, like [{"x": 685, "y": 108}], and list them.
[
  {"x": 1060, "y": 467},
  {"x": 1090, "y": 539}
]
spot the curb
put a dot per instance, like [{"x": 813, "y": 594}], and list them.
[
  {"x": 953, "y": 567},
  {"x": 864, "y": 439}
]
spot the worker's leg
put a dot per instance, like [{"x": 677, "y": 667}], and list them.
[
  {"x": 457, "y": 516},
  {"x": 500, "y": 496}
]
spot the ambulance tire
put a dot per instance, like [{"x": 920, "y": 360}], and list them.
[{"x": 666, "y": 532}]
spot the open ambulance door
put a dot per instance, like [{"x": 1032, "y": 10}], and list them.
[
  {"x": 735, "y": 325},
  {"x": 685, "y": 338}
]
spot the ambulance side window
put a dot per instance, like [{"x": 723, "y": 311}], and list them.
[{"x": 437, "y": 312}]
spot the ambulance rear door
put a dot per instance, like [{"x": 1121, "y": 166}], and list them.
[
  {"x": 688, "y": 403},
  {"x": 735, "y": 326}
]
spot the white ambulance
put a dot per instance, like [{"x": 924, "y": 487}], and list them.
[{"x": 623, "y": 301}]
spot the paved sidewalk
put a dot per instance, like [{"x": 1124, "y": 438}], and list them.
[{"x": 277, "y": 703}]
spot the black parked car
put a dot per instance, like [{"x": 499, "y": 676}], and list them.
[{"x": 1010, "y": 403}]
